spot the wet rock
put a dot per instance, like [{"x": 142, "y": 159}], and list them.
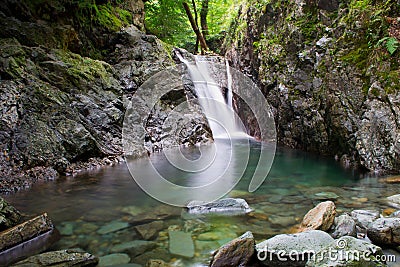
[
  {"x": 112, "y": 227},
  {"x": 158, "y": 253},
  {"x": 347, "y": 248},
  {"x": 196, "y": 226},
  {"x": 273, "y": 250},
  {"x": 390, "y": 180},
  {"x": 181, "y": 244},
  {"x": 128, "y": 265},
  {"x": 364, "y": 218},
  {"x": 9, "y": 216},
  {"x": 156, "y": 263},
  {"x": 385, "y": 232},
  {"x": 238, "y": 252},
  {"x": 326, "y": 113},
  {"x": 61, "y": 258},
  {"x": 226, "y": 205},
  {"x": 150, "y": 230},
  {"x": 114, "y": 259},
  {"x": 344, "y": 225},
  {"x": 395, "y": 214},
  {"x": 388, "y": 211},
  {"x": 160, "y": 212},
  {"x": 134, "y": 248},
  {"x": 319, "y": 218},
  {"x": 394, "y": 201},
  {"x": 27, "y": 239}
]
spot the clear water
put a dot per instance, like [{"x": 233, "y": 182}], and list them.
[{"x": 85, "y": 203}]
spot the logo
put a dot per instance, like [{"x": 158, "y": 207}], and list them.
[{"x": 205, "y": 172}]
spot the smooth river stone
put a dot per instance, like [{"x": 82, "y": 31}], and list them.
[
  {"x": 150, "y": 230},
  {"x": 112, "y": 227},
  {"x": 181, "y": 244},
  {"x": 135, "y": 247},
  {"x": 114, "y": 259}
]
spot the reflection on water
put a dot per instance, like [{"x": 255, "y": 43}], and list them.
[{"x": 98, "y": 211}]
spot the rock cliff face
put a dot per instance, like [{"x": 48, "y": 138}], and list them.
[
  {"x": 61, "y": 108},
  {"x": 333, "y": 86}
]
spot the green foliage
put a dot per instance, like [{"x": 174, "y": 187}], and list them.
[
  {"x": 390, "y": 43},
  {"x": 167, "y": 20}
]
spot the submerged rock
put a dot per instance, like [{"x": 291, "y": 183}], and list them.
[
  {"x": 61, "y": 258},
  {"x": 112, "y": 227},
  {"x": 226, "y": 205},
  {"x": 385, "y": 232},
  {"x": 319, "y": 218},
  {"x": 344, "y": 225},
  {"x": 238, "y": 252},
  {"x": 114, "y": 259},
  {"x": 347, "y": 252},
  {"x": 181, "y": 244},
  {"x": 135, "y": 247},
  {"x": 292, "y": 249},
  {"x": 150, "y": 230}
]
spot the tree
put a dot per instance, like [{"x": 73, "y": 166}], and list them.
[
  {"x": 203, "y": 18},
  {"x": 200, "y": 37}
]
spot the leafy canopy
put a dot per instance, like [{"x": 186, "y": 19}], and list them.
[{"x": 167, "y": 20}]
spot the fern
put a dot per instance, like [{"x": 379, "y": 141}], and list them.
[{"x": 391, "y": 44}]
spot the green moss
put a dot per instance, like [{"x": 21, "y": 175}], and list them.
[
  {"x": 83, "y": 69},
  {"x": 308, "y": 26},
  {"x": 358, "y": 57},
  {"x": 112, "y": 18}
]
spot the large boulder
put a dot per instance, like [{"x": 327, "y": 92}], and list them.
[
  {"x": 238, "y": 252},
  {"x": 226, "y": 205},
  {"x": 319, "y": 218},
  {"x": 385, "y": 232},
  {"x": 292, "y": 249},
  {"x": 348, "y": 252},
  {"x": 344, "y": 225}
]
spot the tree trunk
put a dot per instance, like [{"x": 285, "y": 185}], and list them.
[
  {"x": 196, "y": 48},
  {"x": 203, "y": 18},
  {"x": 203, "y": 43}
]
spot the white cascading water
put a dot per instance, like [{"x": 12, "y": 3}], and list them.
[{"x": 220, "y": 114}]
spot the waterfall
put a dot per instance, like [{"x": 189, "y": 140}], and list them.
[
  {"x": 219, "y": 112},
  {"x": 229, "y": 77}
]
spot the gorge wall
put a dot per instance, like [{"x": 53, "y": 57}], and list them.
[
  {"x": 325, "y": 70},
  {"x": 67, "y": 74}
]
